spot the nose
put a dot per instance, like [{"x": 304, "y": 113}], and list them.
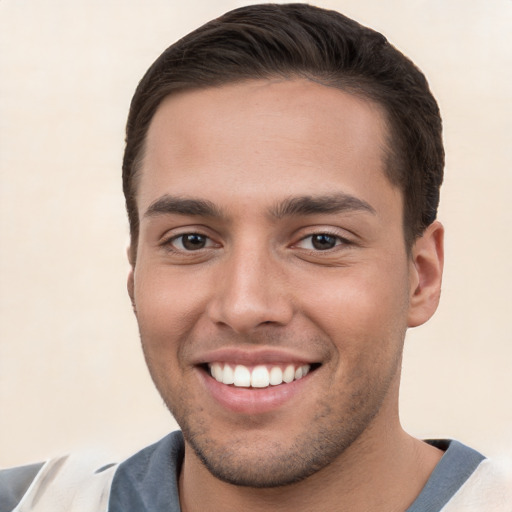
[{"x": 251, "y": 292}]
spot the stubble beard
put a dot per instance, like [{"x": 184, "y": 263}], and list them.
[
  {"x": 276, "y": 465},
  {"x": 323, "y": 440},
  {"x": 250, "y": 456}
]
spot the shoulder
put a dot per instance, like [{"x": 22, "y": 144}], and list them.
[
  {"x": 78, "y": 483},
  {"x": 465, "y": 481},
  {"x": 489, "y": 488},
  {"x": 84, "y": 483},
  {"x": 14, "y": 483}
]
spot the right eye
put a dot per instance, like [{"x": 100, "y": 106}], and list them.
[{"x": 190, "y": 242}]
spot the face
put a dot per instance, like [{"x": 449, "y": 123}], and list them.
[{"x": 272, "y": 286}]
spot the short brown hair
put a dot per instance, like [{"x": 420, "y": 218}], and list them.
[{"x": 302, "y": 41}]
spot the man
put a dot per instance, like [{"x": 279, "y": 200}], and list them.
[{"x": 281, "y": 174}]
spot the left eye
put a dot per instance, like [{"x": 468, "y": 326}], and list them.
[
  {"x": 320, "y": 242},
  {"x": 191, "y": 242}
]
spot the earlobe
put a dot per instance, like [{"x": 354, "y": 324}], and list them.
[
  {"x": 130, "y": 286},
  {"x": 427, "y": 268}
]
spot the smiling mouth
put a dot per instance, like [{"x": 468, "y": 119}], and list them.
[{"x": 259, "y": 376}]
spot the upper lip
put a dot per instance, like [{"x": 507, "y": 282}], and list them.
[{"x": 235, "y": 355}]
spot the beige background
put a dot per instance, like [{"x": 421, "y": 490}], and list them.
[{"x": 71, "y": 371}]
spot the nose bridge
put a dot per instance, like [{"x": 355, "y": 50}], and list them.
[{"x": 251, "y": 289}]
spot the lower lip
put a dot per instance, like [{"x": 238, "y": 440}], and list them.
[{"x": 252, "y": 400}]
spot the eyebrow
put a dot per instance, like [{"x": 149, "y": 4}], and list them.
[
  {"x": 301, "y": 205},
  {"x": 168, "y": 204},
  {"x": 311, "y": 205}
]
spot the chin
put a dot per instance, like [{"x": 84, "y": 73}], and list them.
[{"x": 258, "y": 460}]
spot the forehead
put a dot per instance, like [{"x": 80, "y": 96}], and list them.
[{"x": 263, "y": 138}]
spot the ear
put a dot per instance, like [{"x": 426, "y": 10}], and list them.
[
  {"x": 427, "y": 256},
  {"x": 130, "y": 284}
]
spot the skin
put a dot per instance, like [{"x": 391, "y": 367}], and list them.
[{"x": 256, "y": 286}]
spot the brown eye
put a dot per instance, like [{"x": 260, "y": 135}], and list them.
[
  {"x": 190, "y": 242},
  {"x": 323, "y": 241}
]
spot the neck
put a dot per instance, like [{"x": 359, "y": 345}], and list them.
[{"x": 363, "y": 478}]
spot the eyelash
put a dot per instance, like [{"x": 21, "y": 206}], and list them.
[
  {"x": 169, "y": 243},
  {"x": 339, "y": 241}
]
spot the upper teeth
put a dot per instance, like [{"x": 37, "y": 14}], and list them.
[{"x": 259, "y": 376}]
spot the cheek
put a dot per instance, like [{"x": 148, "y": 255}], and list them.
[
  {"x": 167, "y": 308},
  {"x": 365, "y": 305},
  {"x": 161, "y": 291}
]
